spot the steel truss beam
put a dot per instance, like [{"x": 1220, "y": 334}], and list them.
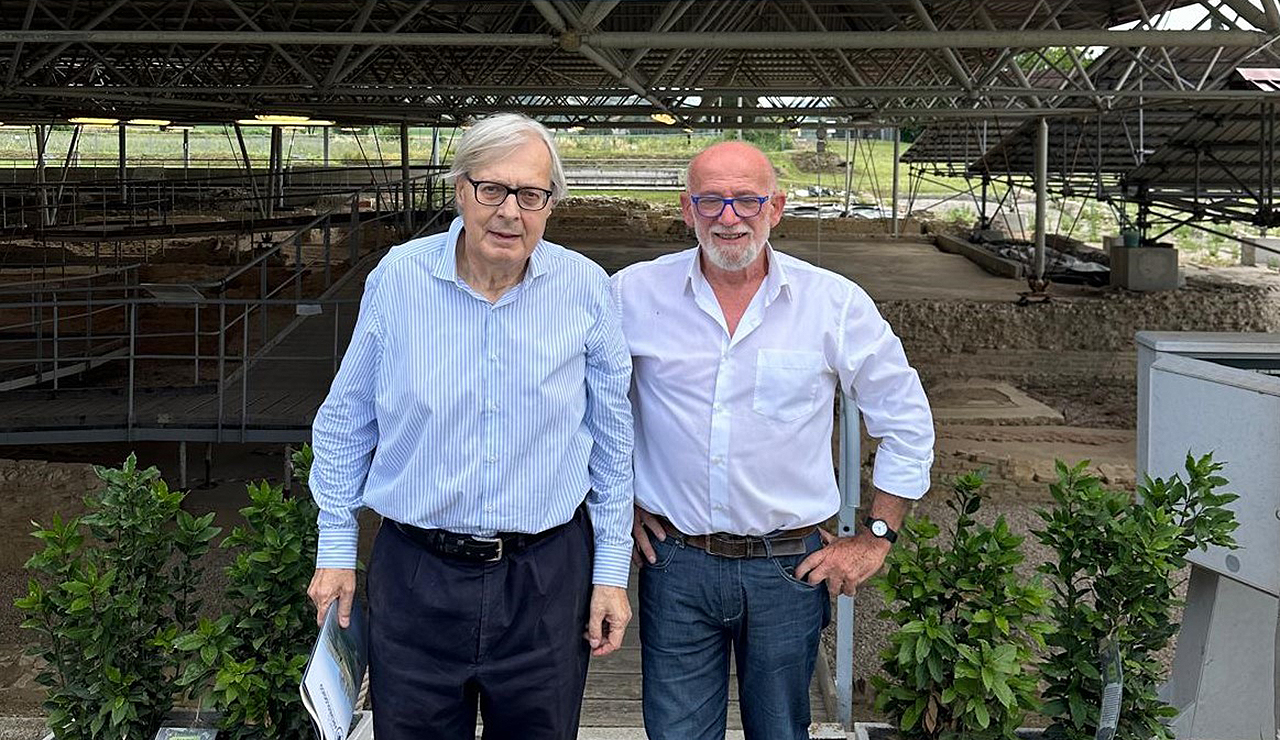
[{"x": 942, "y": 39}]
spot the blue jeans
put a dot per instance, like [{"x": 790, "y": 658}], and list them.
[{"x": 693, "y": 608}]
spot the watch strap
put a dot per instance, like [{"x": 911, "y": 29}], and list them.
[{"x": 889, "y": 535}]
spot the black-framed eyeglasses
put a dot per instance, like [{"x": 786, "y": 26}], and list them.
[
  {"x": 495, "y": 194},
  {"x": 744, "y": 206}
]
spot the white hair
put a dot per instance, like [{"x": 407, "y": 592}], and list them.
[{"x": 494, "y": 138}]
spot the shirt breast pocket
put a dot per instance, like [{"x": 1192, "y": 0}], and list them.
[{"x": 787, "y": 383}]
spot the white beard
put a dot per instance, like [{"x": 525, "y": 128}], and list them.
[{"x": 730, "y": 259}]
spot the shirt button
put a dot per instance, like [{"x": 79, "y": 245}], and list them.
[
  {"x": 493, "y": 406},
  {"x": 493, "y": 458},
  {"x": 489, "y": 507},
  {"x": 493, "y": 358},
  {"x": 718, "y": 408},
  {"x": 717, "y": 460}
]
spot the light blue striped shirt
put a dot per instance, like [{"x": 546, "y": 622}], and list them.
[{"x": 450, "y": 412}]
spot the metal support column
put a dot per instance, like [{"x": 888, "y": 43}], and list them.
[
  {"x": 983, "y": 221},
  {"x": 325, "y": 131},
  {"x": 182, "y": 465},
  {"x": 353, "y": 232},
  {"x": 186, "y": 155},
  {"x": 406, "y": 193},
  {"x": 848, "y": 170},
  {"x": 897, "y": 147},
  {"x": 1042, "y": 191},
  {"x": 274, "y": 170},
  {"x": 435, "y": 162},
  {"x": 850, "y": 499},
  {"x": 42, "y": 141},
  {"x": 248, "y": 171},
  {"x": 121, "y": 155}
]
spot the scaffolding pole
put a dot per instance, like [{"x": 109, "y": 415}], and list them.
[{"x": 1042, "y": 189}]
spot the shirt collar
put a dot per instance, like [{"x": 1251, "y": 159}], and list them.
[
  {"x": 446, "y": 265},
  {"x": 776, "y": 280}
]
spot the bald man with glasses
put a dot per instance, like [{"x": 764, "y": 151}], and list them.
[{"x": 737, "y": 350}]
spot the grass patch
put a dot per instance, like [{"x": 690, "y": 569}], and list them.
[{"x": 216, "y": 146}]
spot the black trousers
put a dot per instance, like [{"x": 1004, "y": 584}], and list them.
[{"x": 446, "y": 634}]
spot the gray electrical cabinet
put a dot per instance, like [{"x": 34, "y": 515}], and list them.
[{"x": 1203, "y": 392}]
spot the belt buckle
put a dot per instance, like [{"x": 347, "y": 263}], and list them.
[
  {"x": 488, "y": 540},
  {"x": 716, "y": 539}
]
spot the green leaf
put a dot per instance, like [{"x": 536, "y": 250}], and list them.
[
  {"x": 1078, "y": 711},
  {"x": 982, "y": 715},
  {"x": 912, "y": 715},
  {"x": 1003, "y": 693},
  {"x": 189, "y": 641},
  {"x": 922, "y": 648}
]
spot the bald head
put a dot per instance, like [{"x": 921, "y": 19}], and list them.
[{"x": 731, "y": 160}]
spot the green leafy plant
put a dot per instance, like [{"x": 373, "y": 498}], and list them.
[
  {"x": 110, "y": 591},
  {"x": 967, "y": 623},
  {"x": 1116, "y": 559},
  {"x": 251, "y": 660}
]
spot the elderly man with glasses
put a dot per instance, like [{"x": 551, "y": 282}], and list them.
[
  {"x": 481, "y": 409},
  {"x": 737, "y": 350}
]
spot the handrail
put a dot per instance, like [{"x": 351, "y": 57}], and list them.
[{"x": 7, "y": 288}]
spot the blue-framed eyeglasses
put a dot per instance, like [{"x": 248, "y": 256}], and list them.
[{"x": 744, "y": 206}]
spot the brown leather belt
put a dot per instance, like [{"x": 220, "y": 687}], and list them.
[{"x": 786, "y": 542}]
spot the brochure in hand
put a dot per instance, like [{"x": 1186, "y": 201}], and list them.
[{"x": 331, "y": 681}]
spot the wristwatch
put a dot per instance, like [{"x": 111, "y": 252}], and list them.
[{"x": 880, "y": 528}]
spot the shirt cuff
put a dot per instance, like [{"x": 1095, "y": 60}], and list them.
[
  {"x": 612, "y": 566},
  {"x": 904, "y": 477},
  {"x": 337, "y": 548}
]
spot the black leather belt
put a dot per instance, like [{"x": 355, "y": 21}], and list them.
[
  {"x": 471, "y": 547},
  {"x": 787, "y": 542}
]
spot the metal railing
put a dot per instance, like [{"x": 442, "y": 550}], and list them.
[
  {"x": 61, "y": 200},
  {"x": 229, "y": 348}
]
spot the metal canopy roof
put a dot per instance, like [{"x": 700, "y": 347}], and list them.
[{"x": 710, "y": 63}]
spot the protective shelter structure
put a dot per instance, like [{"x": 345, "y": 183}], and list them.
[{"x": 1140, "y": 102}]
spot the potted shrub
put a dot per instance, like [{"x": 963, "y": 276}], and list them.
[
  {"x": 250, "y": 661},
  {"x": 109, "y": 593},
  {"x": 967, "y": 626},
  {"x": 1114, "y": 592}
]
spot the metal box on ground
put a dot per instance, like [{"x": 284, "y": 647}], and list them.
[{"x": 1203, "y": 392}]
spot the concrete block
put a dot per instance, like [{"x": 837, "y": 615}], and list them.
[
  {"x": 1144, "y": 268},
  {"x": 988, "y": 261},
  {"x": 1249, "y": 255}
]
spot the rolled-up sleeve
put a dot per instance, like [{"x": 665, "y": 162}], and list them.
[
  {"x": 874, "y": 370},
  {"x": 343, "y": 437},
  {"x": 608, "y": 418}
]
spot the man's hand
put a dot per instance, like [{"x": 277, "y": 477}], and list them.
[
  {"x": 329, "y": 584},
  {"x": 610, "y": 612},
  {"x": 643, "y": 552},
  {"x": 844, "y": 562}
]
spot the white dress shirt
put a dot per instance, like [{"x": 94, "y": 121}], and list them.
[{"x": 733, "y": 434}]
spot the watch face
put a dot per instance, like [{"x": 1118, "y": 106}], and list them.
[{"x": 879, "y": 528}]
